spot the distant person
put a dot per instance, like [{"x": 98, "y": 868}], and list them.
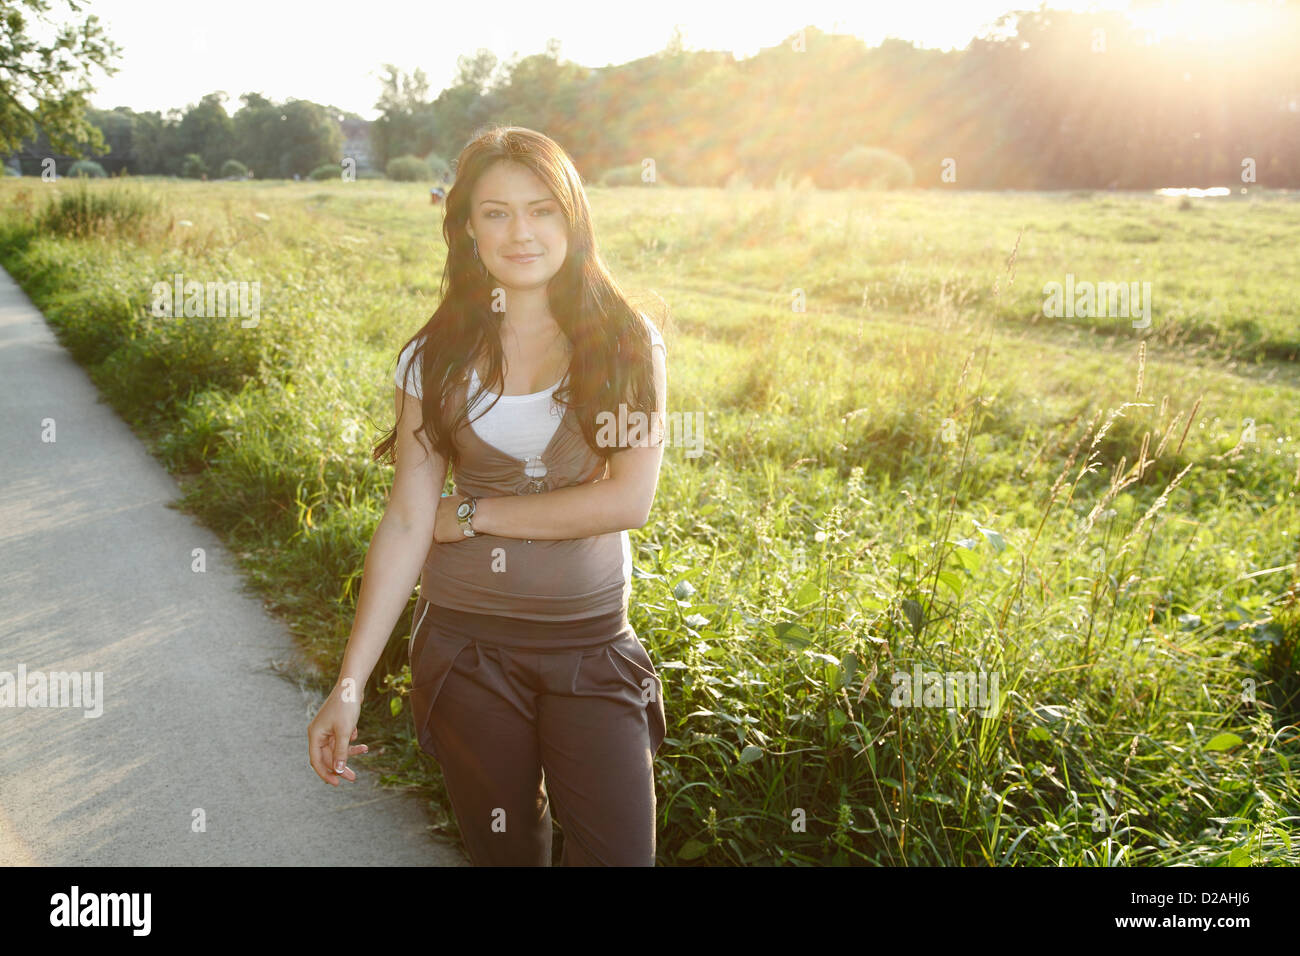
[{"x": 437, "y": 194}]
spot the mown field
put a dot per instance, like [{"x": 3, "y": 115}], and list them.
[{"x": 919, "y": 473}]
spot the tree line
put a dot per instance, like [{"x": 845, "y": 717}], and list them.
[{"x": 1049, "y": 100}]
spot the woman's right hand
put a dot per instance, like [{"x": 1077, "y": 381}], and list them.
[{"x": 329, "y": 735}]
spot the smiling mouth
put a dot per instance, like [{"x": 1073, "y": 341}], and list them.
[{"x": 528, "y": 258}]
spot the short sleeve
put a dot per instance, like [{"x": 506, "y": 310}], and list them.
[
  {"x": 655, "y": 337},
  {"x": 413, "y": 386}
]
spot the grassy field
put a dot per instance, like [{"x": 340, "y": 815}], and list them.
[{"x": 917, "y": 476}]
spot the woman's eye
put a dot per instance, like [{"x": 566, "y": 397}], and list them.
[{"x": 492, "y": 213}]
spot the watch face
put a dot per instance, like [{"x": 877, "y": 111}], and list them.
[{"x": 463, "y": 510}]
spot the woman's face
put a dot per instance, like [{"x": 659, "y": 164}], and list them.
[{"x": 513, "y": 214}]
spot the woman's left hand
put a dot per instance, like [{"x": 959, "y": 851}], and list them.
[{"x": 446, "y": 526}]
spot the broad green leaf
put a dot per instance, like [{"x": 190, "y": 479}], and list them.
[
  {"x": 810, "y": 593},
  {"x": 994, "y": 539},
  {"x": 838, "y": 719},
  {"x": 953, "y": 580},
  {"x": 794, "y": 634},
  {"x": 970, "y": 559},
  {"x": 915, "y": 616},
  {"x": 850, "y": 666},
  {"x": 1224, "y": 741}
]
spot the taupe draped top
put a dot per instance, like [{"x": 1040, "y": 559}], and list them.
[{"x": 540, "y": 580}]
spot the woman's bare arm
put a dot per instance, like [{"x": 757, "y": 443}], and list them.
[{"x": 399, "y": 545}]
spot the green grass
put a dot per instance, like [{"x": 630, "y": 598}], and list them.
[{"x": 919, "y": 469}]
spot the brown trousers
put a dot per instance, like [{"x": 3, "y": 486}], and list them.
[{"x": 521, "y": 715}]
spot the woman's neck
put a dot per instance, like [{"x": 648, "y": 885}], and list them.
[
  {"x": 533, "y": 336},
  {"x": 528, "y": 315}
]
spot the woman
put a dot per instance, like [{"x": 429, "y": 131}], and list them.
[{"x": 528, "y": 684}]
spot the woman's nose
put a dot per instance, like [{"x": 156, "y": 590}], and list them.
[{"x": 521, "y": 228}]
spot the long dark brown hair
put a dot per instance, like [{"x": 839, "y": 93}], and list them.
[{"x": 611, "y": 362}]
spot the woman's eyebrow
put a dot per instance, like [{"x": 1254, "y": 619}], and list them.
[{"x": 501, "y": 202}]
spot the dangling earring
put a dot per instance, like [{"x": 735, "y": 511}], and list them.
[{"x": 481, "y": 267}]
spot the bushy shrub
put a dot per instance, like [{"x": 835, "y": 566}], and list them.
[
  {"x": 193, "y": 166},
  {"x": 873, "y": 168},
  {"x": 409, "y": 169},
  {"x": 233, "y": 168},
  {"x": 327, "y": 171},
  {"x": 86, "y": 167}
]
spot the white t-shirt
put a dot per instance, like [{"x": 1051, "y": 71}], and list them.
[{"x": 518, "y": 425}]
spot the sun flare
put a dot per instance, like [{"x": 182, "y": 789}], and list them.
[{"x": 1214, "y": 23}]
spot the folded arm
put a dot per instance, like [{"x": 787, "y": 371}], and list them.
[{"x": 619, "y": 501}]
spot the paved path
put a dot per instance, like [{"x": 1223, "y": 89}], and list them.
[{"x": 95, "y": 576}]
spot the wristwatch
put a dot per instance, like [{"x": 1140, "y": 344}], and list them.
[{"x": 464, "y": 513}]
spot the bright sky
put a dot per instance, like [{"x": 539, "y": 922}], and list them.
[{"x": 332, "y": 51}]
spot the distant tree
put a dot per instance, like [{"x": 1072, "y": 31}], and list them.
[
  {"x": 309, "y": 137},
  {"x": 295, "y": 137},
  {"x": 475, "y": 71},
  {"x": 118, "y": 127},
  {"x": 405, "y": 124},
  {"x": 676, "y": 43},
  {"x": 257, "y": 134},
  {"x": 149, "y": 143},
  {"x": 454, "y": 115},
  {"x": 233, "y": 168},
  {"x": 206, "y": 129},
  {"x": 540, "y": 90},
  {"x": 45, "y": 85}
]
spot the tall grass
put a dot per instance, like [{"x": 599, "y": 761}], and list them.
[
  {"x": 81, "y": 211},
  {"x": 910, "y": 479}
]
